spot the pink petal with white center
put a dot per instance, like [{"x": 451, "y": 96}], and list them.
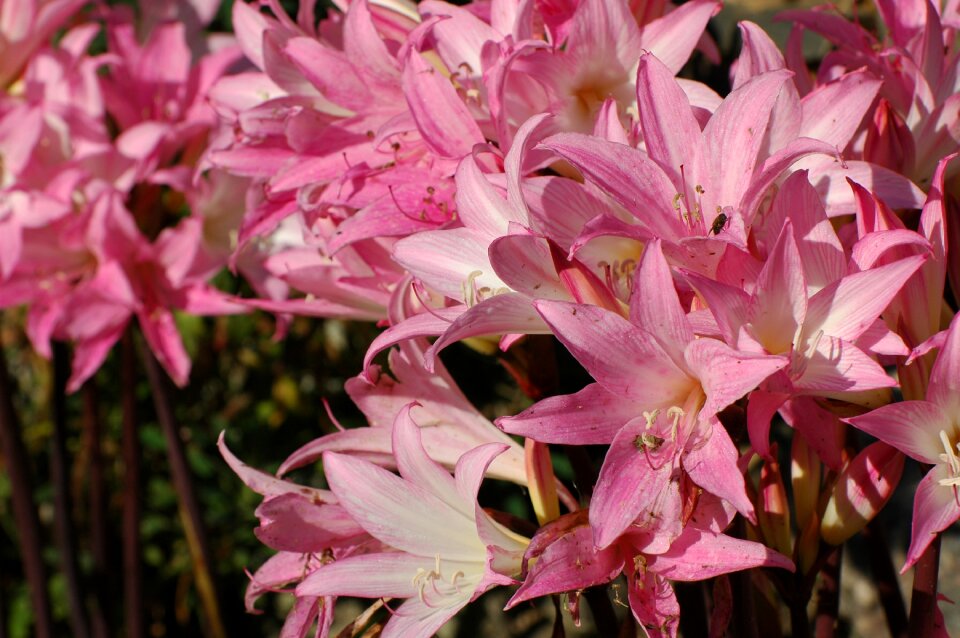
[
  {"x": 944, "y": 387},
  {"x": 479, "y": 204},
  {"x": 569, "y": 563},
  {"x": 267, "y": 484},
  {"x": 837, "y": 366},
  {"x": 761, "y": 408},
  {"x": 367, "y": 576},
  {"x": 560, "y": 207},
  {"x": 442, "y": 118},
  {"x": 935, "y": 508},
  {"x": 670, "y": 131},
  {"x": 774, "y": 166},
  {"x": 418, "y": 468},
  {"x": 400, "y": 513},
  {"x": 524, "y": 263},
  {"x": 592, "y": 416},
  {"x": 727, "y": 155},
  {"x": 712, "y": 464},
  {"x": 307, "y": 610},
  {"x": 608, "y": 125},
  {"x": 364, "y": 46},
  {"x": 623, "y": 358},
  {"x": 606, "y": 31},
  {"x": 293, "y": 523},
  {"x": 471, "y": 468},
  {"x": 249, "y": 25},
  {"x": 637, "y": 467},
  {"x": 507, "y": 313},
  {"x": 416, "y": 618},
  {"x": 286, "y": 74},
  {"x": 89, "y": 355},
  {"x": 653, "y": 603},
  {"x": 453, "y": 262},
  {"x": 913, "y": 427},
  {"x": 820, "y": 250},
  {"x": 278, "y": 570},
  {"x": 699, "y": 555},
  {"x": 426, "y": 324},
  {"x": 728, "y": 305},
  {"x": 727, "y": 374},
  {"x": 628, "y": 175},
  {"x": 654, "y": 304},
  {"x": 861, "y": 491},
  {"x": 879, "y": 339},
  {"x": 673, "y": 37},
  {"x": 875, "y": 245},
  {"x": 460, "y": 36},
  {"x": 829, "y": 178},
  {"x": 846, "y": 308},
  {"x": 370, "y": 444},
  {"x": 163, "y": 337},
  {"x": 525, "y": 156},
  {"x": 832, "y": 112},
  {"x": 779, "y": 305},
  {"x": 758, "y": 55}
]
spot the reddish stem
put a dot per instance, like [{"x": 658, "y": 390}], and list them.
[
  {"x": 828, "y": 596},
  {"x": 65, "y": 532},
  {"x": 923, "y": 606},
  {"x": 24, "y": 508},
  {"x": 97, "y": 494},
  {"x": 132, "y": 507},
  {"x": 193, "y": 526}
]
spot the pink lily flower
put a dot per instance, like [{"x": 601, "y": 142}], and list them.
[
  {"x": 919, "y": 73},
  {"x": 308, "y": 528},
  {"x": 447, "y": 550},
  {"x": 452, "y": 426},
  {"x": 817, "y": 330},
  {"x": 649, "y": 365},
  {"x": 27, "y": 25},
  {"x": 568, "y": 560},
  {"x": 928, "y": 430}
]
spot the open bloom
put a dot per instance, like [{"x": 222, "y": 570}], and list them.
[
  {"x": 448, "y": 551},
  {"x": 928, "y": 431}
]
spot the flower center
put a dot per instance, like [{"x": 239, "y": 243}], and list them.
[
  {"x": 951, "y": 459},
  {"x": 437, "y": 583}
]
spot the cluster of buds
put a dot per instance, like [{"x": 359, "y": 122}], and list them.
[{"x": 783, "y": 256}]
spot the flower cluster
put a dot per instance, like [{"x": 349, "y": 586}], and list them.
[{"x": 719, "y": 265}]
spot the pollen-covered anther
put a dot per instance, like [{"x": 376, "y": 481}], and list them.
[
  {"x": 651, "y": 417},
  {"x": 469, "y": 288},
  {"x": 675, "y": 413},
  {"x": 951, "y": 459}
]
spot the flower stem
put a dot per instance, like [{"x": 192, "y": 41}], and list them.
[
  {"x": 132, "y": 568},
  {"x": 190, "y": 516},
  {"x": 923, "y": 605},
  {"x": 828, "y": 596},
  {"x": 885, "y": 578},
  {"x": 65, "y": 533},
  {"x": 97, "y": 495},
  {"x": 24, "y": 508}
]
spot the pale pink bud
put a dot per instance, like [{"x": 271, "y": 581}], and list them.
[{"x": 862, "y": 489}]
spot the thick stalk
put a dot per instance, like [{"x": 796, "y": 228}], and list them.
[
  {"x": 132, "y": 507},
  {"x": 923, "y": 605},
  {"x": 744, "y": 622},
  {"x": 885, "y": 579},
  {"x": 189, "y": 507},
  {"x": 65, "y": 532},
  {"x": 24, "y": 508},
  {"x": 828, "y": 596},
  {"x": 97, "y": 495}
]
